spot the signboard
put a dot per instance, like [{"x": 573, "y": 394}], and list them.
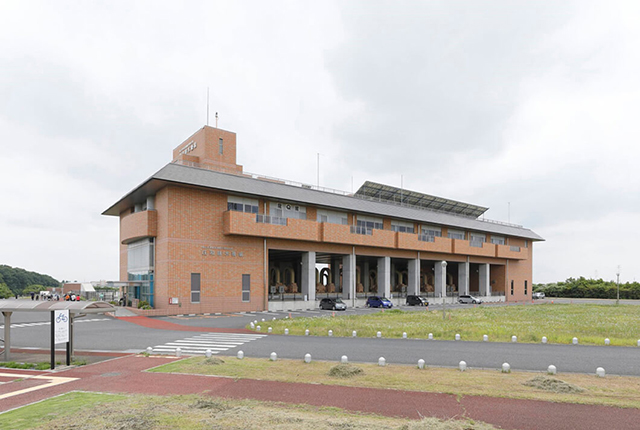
[
  {"x": 61, "y": 326},
  {"x": 173, "y": 300}
]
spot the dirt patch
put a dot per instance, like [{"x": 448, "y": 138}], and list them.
[
  {"x": 213, "y": 361},
  {"x": 345, "y": 371},
  {"x": 552, "y": 384}
]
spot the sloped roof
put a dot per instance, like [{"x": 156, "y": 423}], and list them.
[{"x": 244, "y": 185}]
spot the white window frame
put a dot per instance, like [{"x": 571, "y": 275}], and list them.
[{"x": 458, "y": 232}]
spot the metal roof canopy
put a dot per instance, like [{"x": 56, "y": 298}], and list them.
[
  {"x": 387, "y": 193},
  {"x": 7, "y": 307}
]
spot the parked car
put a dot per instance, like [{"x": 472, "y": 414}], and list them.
[
  {"x": 379, "y": 302},
  {"x": 416, "y": 301},
  {"x": 469, "y": 299},
  {"x": 539, "y": 295},
  {"x": 333, "y": 304}
]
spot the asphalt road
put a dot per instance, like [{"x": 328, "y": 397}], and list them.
[{"x": 102, "y": 333}]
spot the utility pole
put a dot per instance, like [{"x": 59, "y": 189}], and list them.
[{"x": 444, "y": 298}]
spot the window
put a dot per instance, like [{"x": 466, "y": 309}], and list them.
[
  {"x": 512, "y": 287},
  {"x": 455, "y": 234},
  {"x": 498, "y": 240},
  {"x": 525, "y": 287},
  {"x": 195, "y": 288},
  {"x": 526, "y": 243},
  {"x": 428, "y": 230},
  {"x": 246, "y": 288},
  {"x": 220, "y": 143},
  {"x": 403, "y": 227},
  {"x": 287, "y": 210},
  {"x": 369, "y": 222},
  {"x": 241, "y": 204},
  {"x": 332, "y": 217},
  {"x": 477, "y": 240}
]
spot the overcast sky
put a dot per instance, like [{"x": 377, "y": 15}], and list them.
[{"x": 528, "y": 105}]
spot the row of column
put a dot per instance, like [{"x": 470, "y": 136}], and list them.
[{"x": 384, "y": 276}]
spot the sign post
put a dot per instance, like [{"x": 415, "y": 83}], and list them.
[{"x": 59, "y": 333}]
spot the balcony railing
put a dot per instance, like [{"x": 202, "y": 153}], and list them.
[
  {"x": 357, "y": 229},
  {"x": 268, "y": 219},
  {"x": 514, "y": 248}
]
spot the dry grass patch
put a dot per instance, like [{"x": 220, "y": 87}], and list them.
[
  {"x": 611, "y": 391},
  {"x": 552, "y": 384},
  {"x": 213, "y": 361},
  {"x": 345, "y": 371}
]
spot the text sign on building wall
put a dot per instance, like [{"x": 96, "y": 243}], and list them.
[
  {"x": 61, "y": 326},
  {"x": 221, "y": 251}
]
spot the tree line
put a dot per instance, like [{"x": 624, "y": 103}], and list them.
[
  {"x": 14, "y": 280},
  {"x": 589, "y": 288}
]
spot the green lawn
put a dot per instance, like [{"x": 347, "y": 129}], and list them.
[
  {"x": 591, "y": 324},
  {"x": 89, "y": 411}
]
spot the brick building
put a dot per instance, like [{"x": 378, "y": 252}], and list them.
[{"x": 201, "y": 235}]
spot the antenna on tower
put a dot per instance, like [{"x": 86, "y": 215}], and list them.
[
  {"x": 216, "y": 119},
  {"x": 207, "y": 105}
]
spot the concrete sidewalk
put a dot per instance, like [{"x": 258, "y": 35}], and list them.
[{"x": 127, "y": 375}]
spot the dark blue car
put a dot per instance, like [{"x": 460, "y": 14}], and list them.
[{"x": 379, "y": 302}]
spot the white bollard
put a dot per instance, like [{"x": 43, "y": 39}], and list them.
[
  {"x": 149, "y": 350},
  {"x": 255, "y": 321},
  {"x": 262, "y": 319},
  {"x": 252, "y": 325},
  {"x": 382, "y": 361},
  {"x": 354, "y": 333},
  {"x": 306, "y": 332},
  {"x": 273, "y": 356},
  {"x": 240, "y": 355},
  {"x": 485, "y": 338},
  {"x": 638, "y": 342},
  {"x": 257, "y": 328},
  {"x": 514, "y": 339},
  {"x": 431, "y": 336},
  {"x": 606, "y": 341},
  {"x": 379, "y": 334},
  {"x": 421, "y": 364},
  {"x": 462, "y": 366},
  {"x": 344, "y": 359},
  {"x": 208, "y": 353},
  {"x": 575, "y": 340},
  {"x": 178, "y": 352},
  {"x": 274, "y": 318},
  {"x": 286, "y": 331},
  {"x": 330, "y": 332},
  {"x": 551, "y": 370},
  {"x": 457, "y": 336},
  {"x": 307, "y": 358},
  {"x": 506, "y": 368},
  {"x": 544, "y": 339},
  {"x": 600, "y": 372},
  {"x": 269, "y": 330},
  {"x": 404, "y": 334}
]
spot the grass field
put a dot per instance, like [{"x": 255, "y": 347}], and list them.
[
  {"x": 591, "y": 324},
  {"x": 139, "y": 412},
  {"x": 610, "y": 391}
]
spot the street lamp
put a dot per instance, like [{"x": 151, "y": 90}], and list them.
[
  {"x": 444, "y": 279},
  {"x": 618, "y": 285}
]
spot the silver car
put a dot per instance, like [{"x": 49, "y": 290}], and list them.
[{"x": 469, "y": 299}]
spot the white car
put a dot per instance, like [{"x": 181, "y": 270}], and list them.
[
  {"x": 469, "y": 299},
  {"x": 539, "y": 295}
]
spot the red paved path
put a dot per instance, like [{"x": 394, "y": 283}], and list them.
[{"x": 126, "y": 375}]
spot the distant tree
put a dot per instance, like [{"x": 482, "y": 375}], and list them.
[
  {"x": 33, "y": 289},
  {"x": 5, "y": 292},
  {"x": 17, "y": 279}
]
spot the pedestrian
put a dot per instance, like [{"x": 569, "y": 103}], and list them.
[
  {"x": 32, "y": 294},
  {"x": 124, "y": 300}
]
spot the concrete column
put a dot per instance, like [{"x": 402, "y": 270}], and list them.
[
  {"x": 335, "y": 272},
  {"x": 308, "y": 279},
  {"x": 365, "y": 276},
  {"x": 384, "y": 276},
  {"x": 484, "y": 275},
  {"x": 463, "y": 278},
  {"x": 349, "y": 276},
  {"x": 151, "y": 201},
  {"x": 440, "y": 286},
  {"x": 7, "y": 335},
  {"x": 413, "y": 286}
]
